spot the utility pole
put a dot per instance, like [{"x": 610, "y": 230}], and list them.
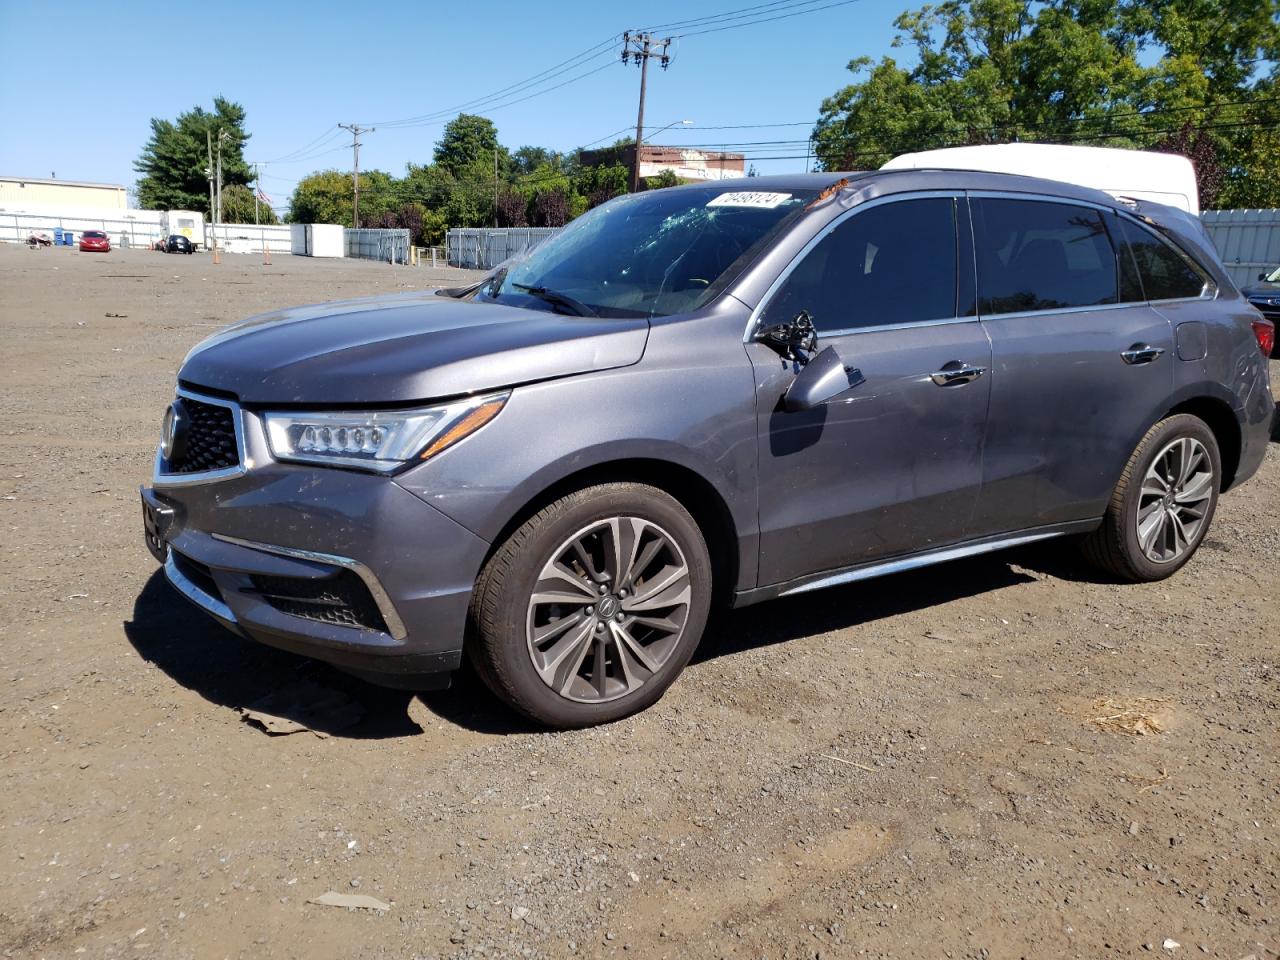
[
  {"x": 356, "y": 130},
  {"x": 495, "y": 186},
  {"x": 642, "y": 46},
  {"x": 257, "y": 190},
  {"x": 223, "y": 137},
  {"x": 208, "y": 172}
]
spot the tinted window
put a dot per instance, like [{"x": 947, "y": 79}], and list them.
[
  {"x": 893, "y": 263},
  {"x": 1034, "y": 255},
  {"x": 1165, "y": 273}
]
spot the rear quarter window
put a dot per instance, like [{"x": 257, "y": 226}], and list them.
[{"x": 1165, "y": 273}]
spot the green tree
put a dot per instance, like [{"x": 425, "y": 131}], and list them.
[
  {"x": 174, "y": 162},
  {"x": 323, "y": 197},
  {"x": 468, "y": 139},
  {"x": 237, "y": 206},
  {"x": 328, "y": 197},
  {"x": 1171, "y": 74}
]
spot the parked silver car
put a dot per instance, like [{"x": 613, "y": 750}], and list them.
[{"x": 719, "y": 393}]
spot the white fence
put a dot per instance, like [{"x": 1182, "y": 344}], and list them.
[
  {"x": 1247, "y": 240},
  {"x": 125, "y": 228},
  {"x": 249, "y": 238}
]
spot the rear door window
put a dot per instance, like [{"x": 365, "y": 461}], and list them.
[
  {"x": 1165, "y": 273},
  {"x": 1038, "y": 255},
  {"x": 893, "y": 263}
]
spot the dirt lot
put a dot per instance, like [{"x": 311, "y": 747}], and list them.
[{"x": 900, "y": 768}]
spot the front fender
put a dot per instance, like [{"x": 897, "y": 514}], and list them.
[{"x": 695, "y": 412}]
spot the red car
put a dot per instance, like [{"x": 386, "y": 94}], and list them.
[{"x": 95, "y": 241}]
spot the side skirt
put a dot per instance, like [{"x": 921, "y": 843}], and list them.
[{"x": 880, "y": 568}]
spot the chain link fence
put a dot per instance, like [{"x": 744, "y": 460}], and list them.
[
  {"x": 388, "y": 246},
  {"x": 483, "y": 248}
]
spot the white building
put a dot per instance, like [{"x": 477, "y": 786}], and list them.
[{"x": 21, "y": 193}]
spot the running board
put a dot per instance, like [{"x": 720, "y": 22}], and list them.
[{"x": 867, "y": 571}]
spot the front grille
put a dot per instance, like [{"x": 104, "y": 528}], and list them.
[
  {"x": 342, "y": 600},
  {"x": 197, "y": 573},
  {"x": 211, "y": 439}
]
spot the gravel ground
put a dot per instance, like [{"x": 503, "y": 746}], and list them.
[{"x": 901, "y": 768}]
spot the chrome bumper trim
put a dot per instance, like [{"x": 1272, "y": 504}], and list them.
[
  {"x": 193, "y": 593},
  {"x": 395, "y": 626}
]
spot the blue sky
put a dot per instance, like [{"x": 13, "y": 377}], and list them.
[{"x": 97, "y": 73}]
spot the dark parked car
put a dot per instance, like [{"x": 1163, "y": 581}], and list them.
[
  {"x": 1265, "y": 295},
  {"x": 95, "y": 241},
  {"x": 717, "y": 393},
  {"x": 177, "y": 243}
]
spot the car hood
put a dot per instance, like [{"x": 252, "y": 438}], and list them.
[{"x": 403, "y": 349}]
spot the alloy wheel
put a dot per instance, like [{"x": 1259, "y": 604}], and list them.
[
  {"x": 608, "y": 609},
  {"x": 1176, "y": 494}
]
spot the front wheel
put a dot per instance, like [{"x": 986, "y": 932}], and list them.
[
  {"x": 590, "y": 610},
  {"x": 1163, "y": 504}
]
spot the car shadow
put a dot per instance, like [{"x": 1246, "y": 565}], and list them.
[
  {"x": 838, "y": 608},
  {"x": 1275, "y": 425},
  {"x": 233, "y": 672},
  {"x": 227, "y": 670}
]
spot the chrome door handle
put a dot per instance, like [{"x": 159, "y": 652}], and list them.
[
  {"x": 1141, "y": 353},
  {"x": 956, "y": 372}
]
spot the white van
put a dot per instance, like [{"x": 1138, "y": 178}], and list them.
[{"x": 1140, "y": 174}]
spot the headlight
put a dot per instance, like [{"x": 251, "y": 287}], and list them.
[{"x": 381, "y": 440}]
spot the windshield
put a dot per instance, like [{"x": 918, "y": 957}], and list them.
[
  {"x": 1274, "y": 276},
  {"x": 648, "y": 254}
]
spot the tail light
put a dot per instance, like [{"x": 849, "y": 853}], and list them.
[{"x": 1265, "y": 331}]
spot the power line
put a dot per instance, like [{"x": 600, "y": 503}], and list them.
[
  {"x": 604, "y": 48},
  {"x": 753, "y": 22}
]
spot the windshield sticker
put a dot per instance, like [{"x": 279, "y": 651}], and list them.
[{"x": 749, "y": 198}]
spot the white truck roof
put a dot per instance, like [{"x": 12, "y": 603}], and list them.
[{"x": 1142, "y": 174}]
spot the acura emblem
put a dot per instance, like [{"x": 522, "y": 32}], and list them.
[{"x": 173, "y": 432}]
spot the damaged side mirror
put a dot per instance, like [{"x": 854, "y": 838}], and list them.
[
  {"x": 795, "y": 340},
  {"x": 823, "y": 378}
]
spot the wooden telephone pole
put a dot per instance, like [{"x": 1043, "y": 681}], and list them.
[
  {"x": 640, "y": 47},
  {"x": 356, "y": 130}
]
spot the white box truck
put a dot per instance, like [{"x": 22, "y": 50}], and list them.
[{"x": 1139, "y": 174}]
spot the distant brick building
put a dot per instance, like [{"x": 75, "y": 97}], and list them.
[{"x": 685, "y": 163}]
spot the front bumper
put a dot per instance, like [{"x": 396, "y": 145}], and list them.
[{"x": 385, "y": 578}]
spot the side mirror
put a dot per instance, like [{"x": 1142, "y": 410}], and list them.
[
  {"x": 1263, "y": 275},
  {"x": 823, "y": 378}
]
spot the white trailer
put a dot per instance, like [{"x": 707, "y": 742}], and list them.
[
  {"x": 184, "y": 223},
  {"x": 1140, "y": 174}
]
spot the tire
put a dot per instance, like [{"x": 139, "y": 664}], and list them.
[
  {"x": 543, "y": 656},
  {"x": 1121, "y": 546}
]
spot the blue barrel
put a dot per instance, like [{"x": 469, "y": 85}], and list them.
[
  {"x": 57, "y": 236},
  {"x": 69, "y": 238}
]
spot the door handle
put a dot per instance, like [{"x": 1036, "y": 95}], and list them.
[
  {"x": 1141, "y": 353},
  {"x": 956, "y": 372}
]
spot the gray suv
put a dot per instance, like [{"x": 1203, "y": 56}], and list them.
[{"x": 712, "y": 394}]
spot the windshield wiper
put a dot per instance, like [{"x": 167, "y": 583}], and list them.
[{"x": 560, "y": 299}]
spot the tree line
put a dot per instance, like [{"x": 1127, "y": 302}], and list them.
[{"x": 1193, "y": 77}]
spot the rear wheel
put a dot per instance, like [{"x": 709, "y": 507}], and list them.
[
  {"x": 1163, "y": 504},
  {"x": 590, "y": 610}
]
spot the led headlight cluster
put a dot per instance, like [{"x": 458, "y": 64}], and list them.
[{"x": 381, "y": 440}]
